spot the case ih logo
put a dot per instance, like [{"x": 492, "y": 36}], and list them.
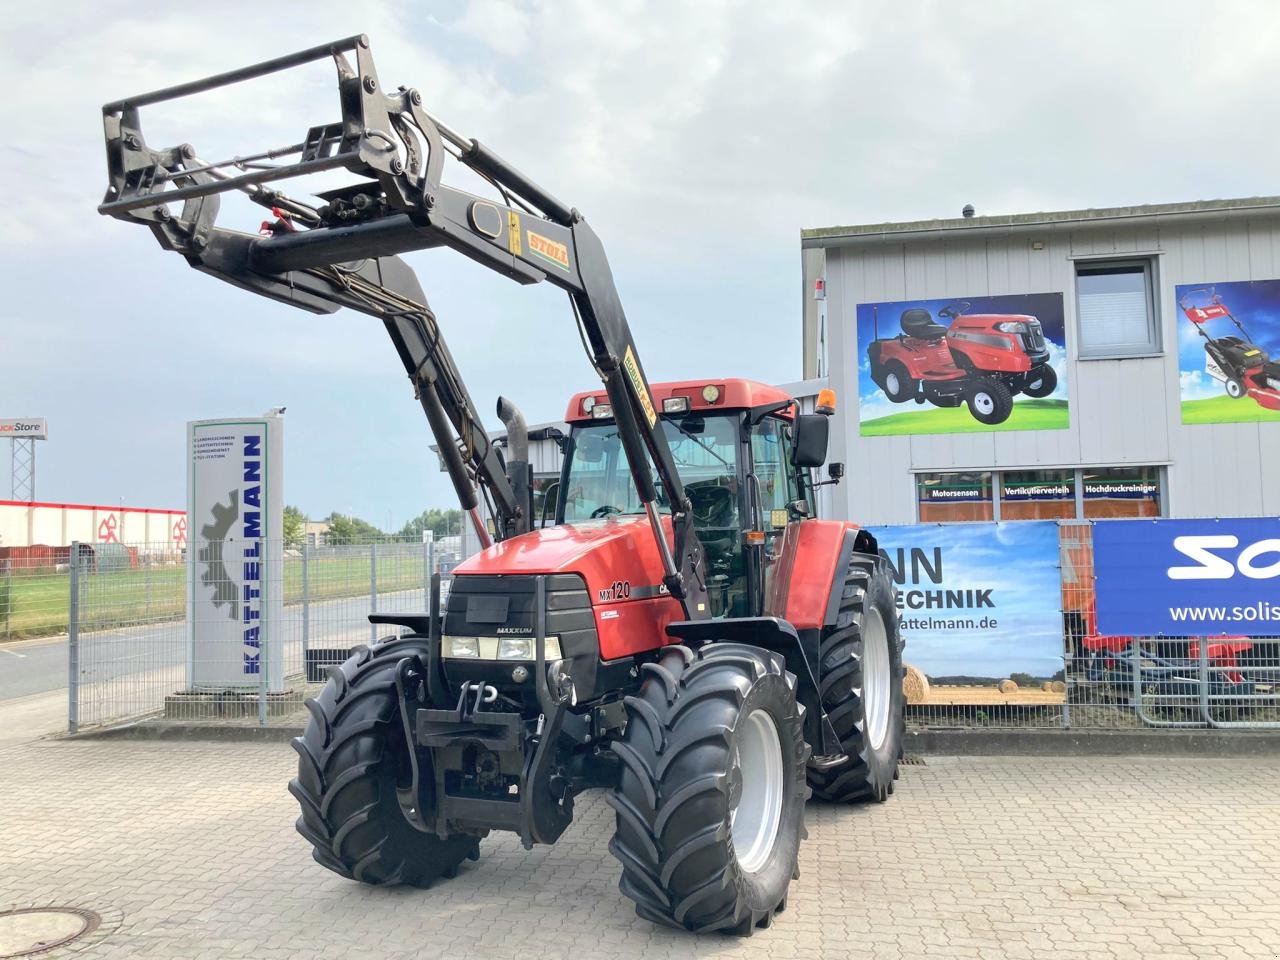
[{"x": 547, "y": 249}]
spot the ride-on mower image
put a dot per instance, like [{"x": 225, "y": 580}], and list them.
[
  {"x": 1244, "y": 368},
  {"x": 687, "y": 635},
  {"x": 918, "y": 365},
  {"x": 1008, "y": 347}
]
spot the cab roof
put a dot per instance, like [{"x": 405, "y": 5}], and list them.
[{"x": 734, "y": 394}]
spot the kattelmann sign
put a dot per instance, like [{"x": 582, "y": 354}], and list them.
[
  {"x": 235, "y": 559},
  {"x": 26, "y": 428},
  {"x": 1188, "y": 578}
]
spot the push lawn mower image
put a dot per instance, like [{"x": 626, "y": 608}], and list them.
[
  {"x": 919, "y": 365},
  {"x": 707, "y": 656},
  {"x": 1008, "y": 347},
  {"x": 1244, "y": 368}
]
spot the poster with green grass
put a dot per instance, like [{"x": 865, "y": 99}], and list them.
[
  {"x": 1229, "y": 351},
  {"x": 962, "y": 365}
]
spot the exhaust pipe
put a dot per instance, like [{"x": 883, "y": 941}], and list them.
[{"x": 518, "y": 470}]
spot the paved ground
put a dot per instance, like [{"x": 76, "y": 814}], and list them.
[{"x": 188, "y": 851}]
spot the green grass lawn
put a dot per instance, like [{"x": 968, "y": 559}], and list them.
[
  {"x": 38, "y": 604},
  {"x": 1028, "y": 414},
  {"x": 1223, "y": 409}
]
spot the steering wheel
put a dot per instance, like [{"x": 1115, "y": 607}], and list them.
[{"x": 604, "y": 510}]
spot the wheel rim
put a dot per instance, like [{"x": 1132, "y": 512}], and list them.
[
  {"x": 1035, "y": 384},
  {"x": 876, "y": 682},
  {"x": 756, "y": 812},
  {"x": 1233, "y": 389},
  {"x": 891, "y": 383},
  {"x": 983, "y": 403}
]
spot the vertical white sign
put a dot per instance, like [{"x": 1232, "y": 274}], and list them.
[{"x": 235, "y": 554}]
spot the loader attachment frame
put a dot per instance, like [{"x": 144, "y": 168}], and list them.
[{"x": 343, "y": 253}]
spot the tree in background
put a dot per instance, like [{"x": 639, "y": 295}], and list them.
[
  {"x": 344, "y": 529},
  {"x": 440, "y": 522},
  {"x": 294, "y": 526}
]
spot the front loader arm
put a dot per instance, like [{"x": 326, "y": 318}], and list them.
[{"x": 343, "y": 253}]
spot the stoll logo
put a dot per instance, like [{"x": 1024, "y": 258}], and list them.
[{"x": 1215, "y": 566}]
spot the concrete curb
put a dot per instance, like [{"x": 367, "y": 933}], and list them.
[
  {"x": 1097, "y": 743},
  {"x": 976, "y": 743}
]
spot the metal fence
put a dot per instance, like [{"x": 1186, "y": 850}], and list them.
[
  {"x": 1113, "y": 682},
  {"x": 131, "y": 651},
  {"x": 134, "y": 652}
]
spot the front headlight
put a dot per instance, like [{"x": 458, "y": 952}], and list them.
[
  {"x": 1012, "y": 326},
  {"x": 496, "y": 648}
]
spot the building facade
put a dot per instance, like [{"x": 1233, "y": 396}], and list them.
[{"x": 1134, "y": 308}]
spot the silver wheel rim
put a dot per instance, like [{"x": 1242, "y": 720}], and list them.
[
  {"x": 876, "y": 682},
  {"x": 755, "y": 816},
  {"x": 891, "y": 383},
  {"x": 1233, "y": 390},
  {"x": 983, "y": 403}
]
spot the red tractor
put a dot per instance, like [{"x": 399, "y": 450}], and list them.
[
  {"x": 686, "y": 636},
  {"x": 919, "y": 365},
  {"x": 1007, "y": 347}
]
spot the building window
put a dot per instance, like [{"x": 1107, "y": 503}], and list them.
[
  {"x": 1122, "y": 492},
  {"x": 1084, "y": 494},
  {"x": 1116, "y": 309},
  {"x": 951, "y": 497},
  {"x": 1038, "y": 495}
]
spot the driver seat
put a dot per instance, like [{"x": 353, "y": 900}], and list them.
[{"x": 919, "y": 323}]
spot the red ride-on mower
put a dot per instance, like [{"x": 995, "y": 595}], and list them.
[
  {"x": 1010, "y": 347},
  {"x": 918, "y": 365},
  {"x": 1245, "y": 369}
]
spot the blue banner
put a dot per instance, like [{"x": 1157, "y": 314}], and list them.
[
  {"x": 979, "y": 601},
  {"x": 1188, "y": 578}
]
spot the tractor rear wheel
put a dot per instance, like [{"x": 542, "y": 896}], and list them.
[
  {"x": 899, "y": 386},
  {"x": 710, "y": 799},
  {"x": 1041, "y": 382},
  {"x": 861, "y": 688},
  {"x": 989, "y": 401},
  {"x": 352, "y": 757}
]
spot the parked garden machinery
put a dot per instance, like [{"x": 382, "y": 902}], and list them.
[
  {"x": 698, "y": 643},
  {"x": 918, "y": 365},
  {"x": 1244, "y": 368},
  {"x": 1003, "y": 346}
]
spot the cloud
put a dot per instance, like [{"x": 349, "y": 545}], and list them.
[{"x": 1197, "y": 385}]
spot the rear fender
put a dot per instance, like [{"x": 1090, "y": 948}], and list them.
[{"x": 776, "y": 635}]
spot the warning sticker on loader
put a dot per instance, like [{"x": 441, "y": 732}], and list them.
[
  {"x": 513, "y": 233},
  {"x": 544, "y": 248},
  {"x": 630, "y": 365}
]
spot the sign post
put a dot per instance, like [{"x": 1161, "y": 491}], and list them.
[
  {"x": 22, "y": 434},
  {"x": 235, "y": 560}
]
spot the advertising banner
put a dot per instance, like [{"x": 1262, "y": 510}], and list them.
[
  {"x": 1229, "y": 351},
  {"x": 1188, "y": 578},
  {"x": 962, "y": 365},
  {"x": 235, "y": 589},
  {"x": 26, "y": 428},
  {"x": 978, "y": 601}
]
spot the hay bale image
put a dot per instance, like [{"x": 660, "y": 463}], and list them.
[
  {"x": 1007, "y": 686},
  {"x": 1058, "y": 686},
  {"x": 915, "y": 685}
]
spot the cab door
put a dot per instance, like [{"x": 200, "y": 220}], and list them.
[{"x": 772, "y": 484}]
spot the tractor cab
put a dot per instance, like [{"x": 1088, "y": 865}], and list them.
[{"x": 734, "y": 444}]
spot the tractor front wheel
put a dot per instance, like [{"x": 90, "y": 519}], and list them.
[
  {"x": 710, "y": 799},
  {"x": 989, "y": 401},
  {"x": 352, "y": 758},
  {"x": 1041, "y": 382},
  {"x": 861, "y": 688}
]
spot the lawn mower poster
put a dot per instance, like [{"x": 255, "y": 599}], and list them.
[
  {"x": 1229, "y": 351},
  {"x": 978, "y": 602},
  {"x": 962, "y": 365},
  {"x": 1188, "y": 578}
]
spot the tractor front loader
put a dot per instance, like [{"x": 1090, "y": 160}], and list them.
[{"x": 686, "y": 635}]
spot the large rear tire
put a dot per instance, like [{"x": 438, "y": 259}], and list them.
[
  {"x": 351, "y": 759},
  {"x": 898, "y": 385},
  {"x": 710, "y": 799},
  {"x": 861, "y": 688}
]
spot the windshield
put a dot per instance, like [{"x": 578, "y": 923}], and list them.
[{"x": 705, "y": 450}]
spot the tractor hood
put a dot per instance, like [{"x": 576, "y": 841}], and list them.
[{"x": 603, "y": 552}]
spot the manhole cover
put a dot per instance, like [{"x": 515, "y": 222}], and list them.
[
  {"x": 35, "y": 930},
  {"x": 910, "y": 761}
]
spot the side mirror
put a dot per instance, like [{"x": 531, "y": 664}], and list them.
[
  {"x": 809, "y": 441},
  {"x": 590, "y": 448}
]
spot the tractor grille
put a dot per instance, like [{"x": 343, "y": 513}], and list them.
[
  {"x": 1033, "y": 339},
  {"x": 482, "y": 605}
]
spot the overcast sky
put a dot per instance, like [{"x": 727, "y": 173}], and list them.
[{"x": 698, "y": 139}]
